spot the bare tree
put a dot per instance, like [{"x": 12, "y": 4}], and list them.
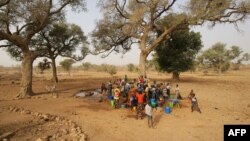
[{"x": 127, "y": 22}]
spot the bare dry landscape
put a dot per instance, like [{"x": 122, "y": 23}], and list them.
[{"x": 223, "y": 100}]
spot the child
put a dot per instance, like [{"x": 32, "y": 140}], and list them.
[
  {"x": 140, "y": 96},
  {"x": 177, "y": 92},
  {"x": 194, "y": 103},
  {"x": 168, "y": 88},
  {"x": 148, "y": 111},
  {"x": 116, "y": 97}
]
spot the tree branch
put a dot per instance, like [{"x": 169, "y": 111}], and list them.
[
  {"x": 117, "y": 6},
  {"x": 138, "y": 1},
  {"x": 163, "y": 36},
  {"x": 4, "y": 3},
  {"x": 2, "y": 46},
  {"x": 164, "y": 10}
]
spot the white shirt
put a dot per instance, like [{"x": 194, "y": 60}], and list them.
[{"x": 148, "y": 110}]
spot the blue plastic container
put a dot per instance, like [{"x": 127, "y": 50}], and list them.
[
  {"x": 152, "y": 100},
  {"x": 110, "y": 97},
  {"x": 175, "y": 101},
  {"x": 167, "y": 110}
]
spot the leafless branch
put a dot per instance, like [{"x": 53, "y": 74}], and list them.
[
  {"x": 2, "y": 46},
  {"x": 118, "y": 8},
  {"x": 138, "y": 1},
  {"x": 164, "y": 9},
  {"x": 4, "y": 3}
]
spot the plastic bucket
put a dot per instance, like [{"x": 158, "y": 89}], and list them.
[
  {"x": 110, "y": 97},
  {"x": 152, "y": 100},
  {"x": 153, "y": 104},
  {"x": 171, "y": 104},
  {"x": 167, "y": 110},
  {"x": 123, "y": 106},
  {"x": 112, "y": 102},
  {"x": 175, "y": 101},
  {"x": 171, "y": 96}
]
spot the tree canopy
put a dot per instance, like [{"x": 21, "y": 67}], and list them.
[
  {"x": 62, "y": 39},
  {"x": 128, "y": 22},
  {"x": 219, "y": 58},
  {"x": 21, "y": 20},
  {"x": 178, "y": 52},
  {"x": 67, "y": 64}
]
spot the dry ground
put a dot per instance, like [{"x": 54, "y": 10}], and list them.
[{"x": 223, "y": 100}]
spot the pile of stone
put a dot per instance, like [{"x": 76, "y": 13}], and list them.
[{"x": 71, "y": 129}]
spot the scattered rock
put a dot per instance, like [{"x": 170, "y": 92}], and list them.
[
  {"x": 65, "y": 131},
  {"x": 6, "y": 135},
  {"x": 45, "y": 117},
  {"x": 83, "y": 137},
  {"x": 39, "y": 139}
]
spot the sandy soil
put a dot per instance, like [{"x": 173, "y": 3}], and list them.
[{"x": 223, "y": 100}]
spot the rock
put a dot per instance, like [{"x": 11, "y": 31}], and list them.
[
  {"x": 45, "y": 117},
  {"x": 83, "y": 137},
  {"x": 55, "y": 96},
  {"x": 5, "y": 139},
  {"x": 11, "y": 108},
  {"x": 36, "y": 114},
  {"x": 73, "y": 125},
  {"x": 6, "y": 135},
  {"x": 39, "y": 139},
  {"x": 65, "y": 131},
  {"x": 16, "y": 109},
  {"x": 57, "y": 119},
  {"x": 54, "y": 137}
]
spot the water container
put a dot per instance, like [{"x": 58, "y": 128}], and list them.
[
  {"x": 123, "y": 106},
  {"x": 110, "y": 97},
  {"x": 112, "y": 102},
  {"x": 167, "y": 110},
  {"x": 153, "y": 104},
  {"x": 171, "y": 96},
  {"x": 171, "y": 104},
  {"x": 175, "y": 101},
  {"x": 152, "y": 100}
]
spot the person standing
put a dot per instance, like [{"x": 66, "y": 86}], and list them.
[
  {"x": 168, "y": 87},
  {"x": 140, "y": 101},
  {"x": 194, "y": 105},
  {"x": 177, "y": 92},
  {"x": 148, "y": 111}
]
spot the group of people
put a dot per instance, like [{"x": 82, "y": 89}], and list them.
[{"x": 140, "y": 95}]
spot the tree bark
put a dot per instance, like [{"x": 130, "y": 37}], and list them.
[
  {"x": 26, "y": 80},
  {"x": 176, "y": 76},
  {"x": 142, "y": 64},
  {"x": 220, "y": 68},
  {"x": 55, "y": 78}
]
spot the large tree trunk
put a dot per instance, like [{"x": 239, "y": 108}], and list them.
[
  {"x": 26, "y": 80},
  {"x": 176, "y": 76},
  {"x": 142, "y": 64},
  {"x": 55, "y": 79},
  {"x": 220, "y": 68}
]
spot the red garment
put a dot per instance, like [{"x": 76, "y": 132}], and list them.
[
  {"x": 140, "y": 98},
  {"x": 141, "y": 80}
]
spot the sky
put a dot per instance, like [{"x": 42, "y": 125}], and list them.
[{"x": 224, "y": 33}]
